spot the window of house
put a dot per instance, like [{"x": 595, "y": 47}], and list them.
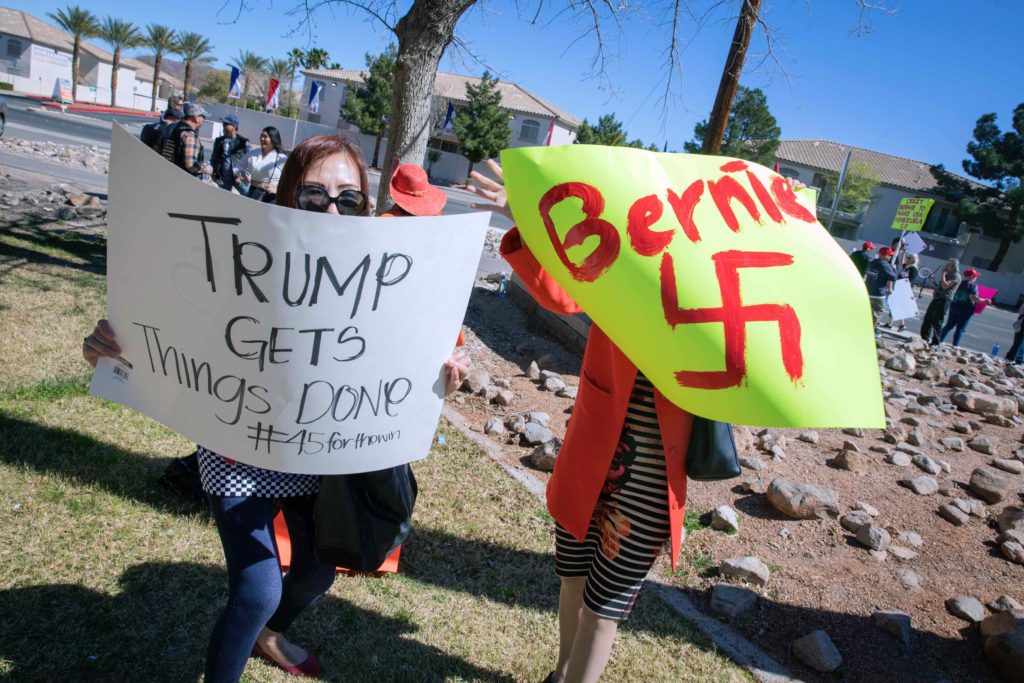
[
  {"x": 445, "y": 145},
  {"x": 789, "y": 172},
  {"x": 942, "y": 220},
  {"x": 530, "y": 131},
  {"x": 825, "y": 189},
  {"x": 313, "y": 118},
  {"x": 13, "y": 48}
]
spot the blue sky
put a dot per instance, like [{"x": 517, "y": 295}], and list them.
[{"x": 913, "y": 86}]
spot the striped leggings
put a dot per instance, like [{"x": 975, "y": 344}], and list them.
[{"x": 630, "y": 523}]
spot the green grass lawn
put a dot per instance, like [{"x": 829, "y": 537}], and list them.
[{"x": 106, "y": 576}]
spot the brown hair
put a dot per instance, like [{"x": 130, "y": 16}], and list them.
[{"x": 312, "y": 151}]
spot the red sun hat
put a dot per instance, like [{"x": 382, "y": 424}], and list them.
[
  {"x": 971, "y": 272},
  {"x": 868, "y": 246},
  {"x": 413, "y": 192},
  {"x": 885, "y": 251}
]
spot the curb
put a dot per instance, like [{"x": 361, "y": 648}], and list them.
[{"x": 744, "y": 653}]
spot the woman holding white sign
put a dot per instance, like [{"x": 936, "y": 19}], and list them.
[
  {"x": 618, "y": 491},
  {"x": 324, "y": 174}
]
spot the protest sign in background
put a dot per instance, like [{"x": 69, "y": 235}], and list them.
[
  {"x": 291, "y": 340},
  {"x": 711, "y": 275},
  {"x": 911, "y": 213},
  {"x": 984, "y": 293},
  {"x": 902, "y": 302}
]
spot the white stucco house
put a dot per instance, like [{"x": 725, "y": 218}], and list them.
[
  {"x": 35, "y": 54},
  {"x": 946, "y": 235},
  {"x": 532, "y": 116}
]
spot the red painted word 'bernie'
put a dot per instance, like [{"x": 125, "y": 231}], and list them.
[{"x": 733, "y": 314}]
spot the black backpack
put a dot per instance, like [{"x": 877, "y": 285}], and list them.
[{"x": 152, "y": 133}]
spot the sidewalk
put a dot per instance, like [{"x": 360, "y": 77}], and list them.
[{"x": 94, "y": 108}]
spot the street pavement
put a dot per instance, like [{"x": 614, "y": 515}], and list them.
[{"x": 994, "y": 326}]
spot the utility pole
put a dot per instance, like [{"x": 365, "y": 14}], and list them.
[{"x": 730, "y": 76}]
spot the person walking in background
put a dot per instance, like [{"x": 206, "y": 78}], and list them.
[
  {"x": 945, "y": 286},
  {"x": 229, "y": 150},
  {"x": 862, "y": 257},
  {"x": 1016, "y": 352},
  {"x": 879, "y": 278},
  {"x": 413, "y": 194},
  {"x": 961, "y": 309},
  {"x": 909, "y": 272},
  {"x": 263, "y": 166},
  {"x": 153, "y": 134},
  {"x": 182, "y": 146}
]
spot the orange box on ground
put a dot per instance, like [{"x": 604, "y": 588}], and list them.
[{"x": 284, "y": 551}]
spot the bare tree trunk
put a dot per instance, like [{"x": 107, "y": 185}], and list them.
[
  {"x": 469, "y": 170},
  {"x": 76, "y": 49},
  {"x": 157, "y": 63},
  {"x": 423, "y": 34},
  {"x": 113, "y": 78},
  {"x": 730, "y": 77}
]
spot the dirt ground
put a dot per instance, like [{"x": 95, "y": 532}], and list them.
[{"x": 821, "y": 577}]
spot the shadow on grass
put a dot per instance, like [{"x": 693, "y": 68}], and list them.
[
  {"x": 92, "y": 249},
  {"x": 156, "y": 627},
  {"x": 84, "y": 460}
]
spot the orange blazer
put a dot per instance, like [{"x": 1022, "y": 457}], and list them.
[{"x": 606, "y": 383}]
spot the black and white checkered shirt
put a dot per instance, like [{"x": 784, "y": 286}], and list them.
[{"x": 222, "y": 476}]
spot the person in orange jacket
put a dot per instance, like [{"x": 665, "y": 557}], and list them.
[{"x": 618, "y": 490}]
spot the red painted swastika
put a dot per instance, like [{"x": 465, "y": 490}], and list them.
[{"x": 734, "y": 316}]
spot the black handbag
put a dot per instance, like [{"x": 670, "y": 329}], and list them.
[
  {"x": 361, "y": 518},
  {"x": 711, "y": 455}
]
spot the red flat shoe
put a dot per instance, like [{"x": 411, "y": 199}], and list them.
[{"x": 310, "y": 667}]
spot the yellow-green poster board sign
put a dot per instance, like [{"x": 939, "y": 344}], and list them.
[
  {"x": 711, "y": 274},
  {"x": 911, "y": 213}
]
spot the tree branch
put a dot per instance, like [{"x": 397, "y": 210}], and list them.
[{"x": 866, "y": 7}]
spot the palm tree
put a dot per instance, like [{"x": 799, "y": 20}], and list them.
[
  {"x": 316, "y": 58},
  {"x": 296, "y": 58},
  {"x": 160, "y": 39},
  {"x": 194, "y": 49},
  {"x": 279, "y": 69},
  {"x": 120, "y": 34},
  {"x": 80, "y": 23},
  {"x": 251, "y": 65}
]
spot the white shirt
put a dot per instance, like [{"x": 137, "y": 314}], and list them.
[{"x": 262, "y": 169}]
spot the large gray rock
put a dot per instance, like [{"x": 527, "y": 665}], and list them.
[
  {"x": 494, "y": 427},
  {"x": 874, "y": 537},
  {"x": 1004, "y": 643},
  {"x": 535, "y": 434},
  {"x": 982, "y": 444},
  {"x": 1013, "y": 551},
  {"x": 902, "y": 362},
  {"x": 800, "y": 500},
  {"x": 1008, "y": 465},
  {"x": 966, "y": 608},
  {"x": 983, "y": 404},
  {"x": 1011, "y": 517},
  {"x": 731, "y": 601},
  {"x": 990, "y": 484},
  {"x": 899, "y": 459},
  {"x": 749, "y": 569},
  {"x": 926, "y": 464},
  {"x": 543, "y": 456},
  {"x": 895, "y": 623},
  {"x": 724, "y": 518},
  {"x": 809, "y": 437},
  {"x": 853, "y": 521},
  {"x": 554, "y": 384},
  {"x": 953, "y": 514},
  {"x": 953, "y": 443},
  {"x": 921, "y": 485},
  {"x": 475, "y": 381},
  {"x": 853, "y": 461},
  {"x": 817, "y": 651}
]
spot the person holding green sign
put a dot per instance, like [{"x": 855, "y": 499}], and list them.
[{"x": 618, "y": 491}]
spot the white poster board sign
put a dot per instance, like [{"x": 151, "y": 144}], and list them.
[
  {"x": 290, "y": 340},
  {"x": 914, "y": 243},
  {"x": 902, "y": 303}
]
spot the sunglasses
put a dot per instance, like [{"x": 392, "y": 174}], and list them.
[{"x": 315, "y": 198}]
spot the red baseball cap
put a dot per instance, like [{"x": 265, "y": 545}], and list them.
[
  {"x": 885, "y": 251},
  {"x": 868, "y": 246},
  {"x": 971, "y": 272},
  {"x": 413, "y": 192}
]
